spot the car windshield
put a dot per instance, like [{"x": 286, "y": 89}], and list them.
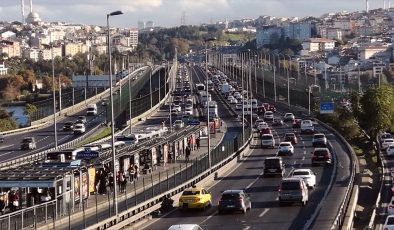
[
  {"x": 300, "y": 173},
  {"x": 230, "y": 196},
  {"x": 284, "y": 144},
  {"x": 27, "y": 140},
  {"x": 390, "y": 220},
  {"x": 271, "y": 162},
  {"x": 290, "y": 185},
  {"x": 266, "y": 138},
  {"x": 320, "y": 152},
  {"x": 289, "y": 135},
  {"x": 190, "y": 193},
  {"x": 319, "y": 136},
  {"x": 389, "y": 140}
]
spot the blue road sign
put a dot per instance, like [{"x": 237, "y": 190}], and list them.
[{"x": 327, "y": 107}]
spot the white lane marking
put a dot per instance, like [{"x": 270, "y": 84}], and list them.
[
  {"x": 264, "y": 212},
  {"x": 294, "y": 162},
  {"x": 254, "y": 181},
  {"x": 6, "y": 153},
  {"x": 5, "y": 146},
  {"x": 246, "y": 228},
  {"x": 303, "y": 158}
]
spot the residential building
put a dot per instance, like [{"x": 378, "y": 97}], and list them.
[
  {"x": 3, "y": 69},
  {"x": 8, "y": 35},
  {"x": 100, "y": 49},
  {"x": 318, "y": 44},
  {"x": 10, "y": 48},
  {"x": 71, "y": 49},
  {"x": 133, "y": 35},
  {"x": 334, "y": 33},
  {"x": 46, "y": 53},
  {"x": 267, "y": 34},
  {"x": 298, "y": 30},
  {"x": 31, "y": 53},
  {"x": 343, "y": 24},
  {"x": 379, "y": 52}
]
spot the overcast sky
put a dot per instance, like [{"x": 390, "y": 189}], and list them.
[{"x": 169, "y": 12}]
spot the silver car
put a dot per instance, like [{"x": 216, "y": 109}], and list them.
[{"x": 293, "y": 190}]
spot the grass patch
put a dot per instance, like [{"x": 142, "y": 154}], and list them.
[{"x": 103, "y": 133}]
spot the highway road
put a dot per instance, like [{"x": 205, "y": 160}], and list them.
[
  {"x": 319, "y": 213},
  {"x": 10, "y": 149}
]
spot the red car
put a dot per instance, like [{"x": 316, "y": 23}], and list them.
[
  {"x": 297, "y": 123},
  {"x": 261, "y": 110},
  {"x": 272, "y": 108},
  {"x": 265, "y": 131}
]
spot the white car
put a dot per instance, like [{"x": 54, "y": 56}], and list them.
[
  {"x": 286, "y": 147},
  {"x": 189, "y": 111},
  {"x": 387, "y": 142},
  {"x": 229, "y": 98},
  {"x": 238, "y": 107},
  {"x": 390, "y": 150},
  {"x": 307, "y": 175},
  {"x": 185, "y": 227},
  {"x": 262, "y": 125},
  {"x": 267, "y": 141},
  {"x": 288, "y": 117},
  {"x": 178, "y": 124},
  {"x": 79, "y": 128},
  {"x": 389, "y": 223},
  {"x": 233, "y": 101},
  {"x": 269, "y": 116},
  {"x": 177, "y": 108}
]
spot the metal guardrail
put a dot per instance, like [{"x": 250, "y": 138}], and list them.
[{"x": 371, "y": 223}]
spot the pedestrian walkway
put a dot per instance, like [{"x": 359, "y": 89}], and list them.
[{"x": 135, "y": 187}]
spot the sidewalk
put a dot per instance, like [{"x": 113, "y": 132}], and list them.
[{"x": 158, "y": 173}]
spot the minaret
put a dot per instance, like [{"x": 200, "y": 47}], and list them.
[
  {"x": 31, "y": 6},
  {"x": 23, "y": 11}
]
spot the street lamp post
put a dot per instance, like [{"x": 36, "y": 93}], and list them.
[
  {"x": 150, "y": 86},
  {"x": 208, "y": 126},
  {"x": 273, "y": 56},
  {"x": 54, "y": 94},
  {"x": 112, "y": 111},
  {"x": 309, "y": 97}
]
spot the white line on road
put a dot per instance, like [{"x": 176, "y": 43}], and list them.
[
  {"x": 254, "y": 181},
  {"x": 246, "y": 228},
  {"x": 264, "y": 212},
  {"x": 5, "y": 146}
]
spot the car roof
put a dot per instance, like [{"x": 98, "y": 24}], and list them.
[
  {"x": 321, "y": 149},
  {"x": 232, "y": 191},
  {"x": 285, "y": 142},
  {"x": 267, "y": 135},
  {"x": 273, "y": 158},
  {"x": 183, "y": 227},
  {"x": 194, "y": 189},
  {"x": 301, "y": 170}
]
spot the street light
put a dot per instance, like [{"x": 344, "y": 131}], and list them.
[
  {"x": 309, "y": 96},
  {"x": 206, "y": 74},
  {"x": 112, "y": 110},
  {"x": 54, "y": 93}
]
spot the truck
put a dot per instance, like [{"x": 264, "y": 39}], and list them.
[{"x": 91, "y": 110}]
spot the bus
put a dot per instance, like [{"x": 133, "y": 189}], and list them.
[{"x": 200, "y": 88}]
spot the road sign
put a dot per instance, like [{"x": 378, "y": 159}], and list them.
[{"x": 326, "y": 107}]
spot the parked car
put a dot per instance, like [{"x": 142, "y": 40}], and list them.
[
  {"x": 307, "y": 175},
  {"x": 195, "y": 198},
  {"x": 234, "y": 200},
  {"x": 274, "y": 166},
  {"x": 267, "y": 141},
  {"x": 321, "y": 156},
  {"x": 293, "y": 190},
  {"x": 291, "y": 137},
  {"x": 28, "y": 143},
  {"x": 319, "y": 140}
]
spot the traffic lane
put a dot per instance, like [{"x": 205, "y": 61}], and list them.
[
  {"x": 45, "y": 138},
  {"x": 239, "y": 175}
]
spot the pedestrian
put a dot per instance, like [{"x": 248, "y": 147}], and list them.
[
  {"x": 111, "y": 182},
  {"x": 198, "y": 142},
  {"x": 14, "y": 201},
  {"x": 136, "y": 172},
  {"x": 187, "y": 153},
  {"x": 2, "y": 205},
  {"x": 131, "y": 172},
  {"x": 120, "y": 179}
]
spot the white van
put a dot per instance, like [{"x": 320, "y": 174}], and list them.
[{"x": 91, "y": 110}]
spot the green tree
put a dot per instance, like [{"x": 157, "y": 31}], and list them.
[{"x": 377, "y": 108}]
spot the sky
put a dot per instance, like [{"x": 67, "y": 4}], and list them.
[{"x": 169, "y": 12}]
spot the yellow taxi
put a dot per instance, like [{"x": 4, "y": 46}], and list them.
[{"x": 195, "y": 198}]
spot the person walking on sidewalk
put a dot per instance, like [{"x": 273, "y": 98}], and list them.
[
  {"x": 131, "y": 173},
  {"x": 136, "y": 172},
  {"x": 198, "y": 142},
  {"x": 187, "y": 153}
]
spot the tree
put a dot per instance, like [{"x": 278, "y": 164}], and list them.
[{"x": 377, "y": 108}]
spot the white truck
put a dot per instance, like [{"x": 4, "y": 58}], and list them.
[{"x": 91, "y": 110}]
